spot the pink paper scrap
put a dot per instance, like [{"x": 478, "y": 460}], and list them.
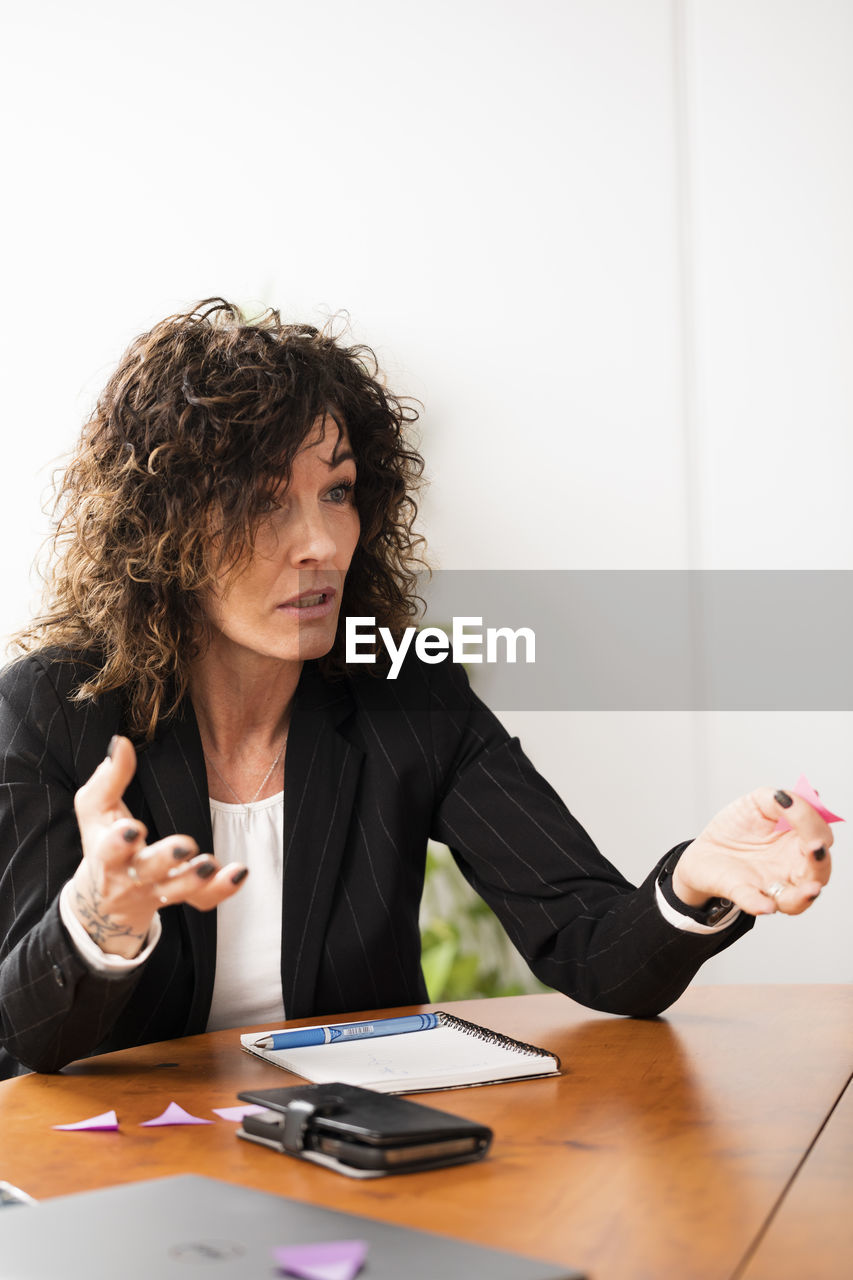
[
  {"x": 174, "y": 1115},
  {"x": 804, "y": 789},
  {"x": 237, "y": 1113},
  {"x": 331, "y": 1260},
  {"x": 103, "y": 1123}
]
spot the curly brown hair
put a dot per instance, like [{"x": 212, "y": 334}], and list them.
[{"x": 204, "y": 414}]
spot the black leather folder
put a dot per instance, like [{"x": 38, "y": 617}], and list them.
[{"x": 359, "y": 1132}]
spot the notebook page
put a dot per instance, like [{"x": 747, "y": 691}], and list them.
[{"x": 438, "y": 1055}]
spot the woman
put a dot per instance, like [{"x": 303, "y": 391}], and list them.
[{"x": 238, "y": 491}]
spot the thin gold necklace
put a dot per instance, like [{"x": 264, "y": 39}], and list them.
[{"x": 247, "y": 804}]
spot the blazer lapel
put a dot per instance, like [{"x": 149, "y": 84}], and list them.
[
  {"x": 321, "y": 776},
  {"x": 171, "y": 775}
]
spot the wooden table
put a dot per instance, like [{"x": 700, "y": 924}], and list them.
[{"x": 713, "y": 1143}]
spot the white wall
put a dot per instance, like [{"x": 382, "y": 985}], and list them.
[{"x": 604, "y": 241}]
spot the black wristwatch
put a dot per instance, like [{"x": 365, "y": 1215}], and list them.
[{"x": 710, "y": 913}]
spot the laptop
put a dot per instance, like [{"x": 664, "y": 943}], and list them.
[{"x": 175, "y": 1228}]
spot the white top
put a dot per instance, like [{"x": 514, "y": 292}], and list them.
[{"x": 247, "y": 987}]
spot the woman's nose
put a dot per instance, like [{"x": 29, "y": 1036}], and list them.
[{"x": 312, "y": 539}]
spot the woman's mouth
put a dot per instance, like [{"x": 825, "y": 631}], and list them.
[
  {"x": 308, "y": 602},
  {"x": 311, "y": 604}
]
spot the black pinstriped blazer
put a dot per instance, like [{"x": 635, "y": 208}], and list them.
[{"x": 374, "y": 768}]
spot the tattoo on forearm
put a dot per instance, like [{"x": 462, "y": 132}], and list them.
[{"x": 99, "y": 925}]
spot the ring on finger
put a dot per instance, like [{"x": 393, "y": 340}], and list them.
[{"x": 776, "y": 889}]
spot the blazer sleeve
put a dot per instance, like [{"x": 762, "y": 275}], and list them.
[
  {"x": 580, "y": 925},
  {"x": 53, "y": 1008}
]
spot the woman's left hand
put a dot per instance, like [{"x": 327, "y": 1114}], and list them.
[{"x": 741, "y": 856}]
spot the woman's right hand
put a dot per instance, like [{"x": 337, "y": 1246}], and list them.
[{"x": 122, "y": 881}]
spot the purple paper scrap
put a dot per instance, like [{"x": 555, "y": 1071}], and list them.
[
  {"x": 330, "y": 1260},
  {"x": 237, "y": 1113},
  {"x": 103, "y": 1123},
  {"x": 173, "y": 1115}
]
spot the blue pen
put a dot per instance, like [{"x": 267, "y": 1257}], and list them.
[{"x": 348, "y": 1031}]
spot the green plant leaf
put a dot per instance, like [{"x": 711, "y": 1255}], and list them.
[
  {"x": 465, "y": 952},
  {"x": 437, "y": 962}
]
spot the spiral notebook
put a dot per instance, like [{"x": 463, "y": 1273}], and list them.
[{"x": 452, "y": 1055}]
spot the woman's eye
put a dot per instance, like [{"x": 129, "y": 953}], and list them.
[{"x": 342, "y": 491}]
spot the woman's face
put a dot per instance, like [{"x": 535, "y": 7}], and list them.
[{"x": 284, "y": 603}]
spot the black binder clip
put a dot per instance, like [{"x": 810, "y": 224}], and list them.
[
  {"x": 297, "y": 1116},
  {"x": 289, "y": 1125}
]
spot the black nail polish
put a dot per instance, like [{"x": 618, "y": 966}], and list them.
[
  {"x": 130, "y": 834},
  {"x": 819, "y": 854},
  {"x": 813, "y": 897},
  {"x": 179, "y": 853},
  {"x": 112, "y": 746},
  {"x": 782, "y": 797},
  {"x": 239, "y": 876},
  {"x": 205, "y": 870}
]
